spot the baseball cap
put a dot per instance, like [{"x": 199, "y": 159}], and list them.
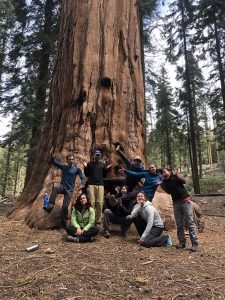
[{"x": 97, "y": 152}]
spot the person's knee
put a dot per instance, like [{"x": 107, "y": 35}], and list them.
[
  {"x": 107, "y": 212},
  {"x": 96, "y": 230},
  {"x": 128, "y": 219}
]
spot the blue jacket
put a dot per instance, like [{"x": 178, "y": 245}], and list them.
[
  {"x": 69, "y": 175},
  {"x": 152, "y": 180}
]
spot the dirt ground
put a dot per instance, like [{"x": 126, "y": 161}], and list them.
[{"x": 116, "y": 268}]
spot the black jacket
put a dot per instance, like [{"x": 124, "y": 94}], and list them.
[
  {"x": 130, "y": 181},
  {"x": 175, "y": 186}
]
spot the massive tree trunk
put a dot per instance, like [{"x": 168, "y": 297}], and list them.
[{"x": 96, "y": 97}]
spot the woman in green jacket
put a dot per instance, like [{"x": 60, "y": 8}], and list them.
[{"x": 82, "y": 227}]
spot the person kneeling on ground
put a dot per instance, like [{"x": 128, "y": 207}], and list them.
[
  {"x": 117, "y": 212},
  {"x": 82, "y": 227},
  {"x": 149, "y": 224}
]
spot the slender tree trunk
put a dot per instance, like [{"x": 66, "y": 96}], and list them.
[
  {"x": 220, "y": 64},
  {"x": 2, "y": 55},
  {"x": 96, "y": 97},
  {"x": 6, "y": 174},
  {"x": 17, "y": 175},
  {"x": 190, "y": 108},
  {"x": 168, "y": 146}
]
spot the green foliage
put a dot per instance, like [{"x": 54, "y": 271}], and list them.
[
  {"x": 27, "y": 68},
  {"x": 14, "y": 181},
  {"x": 209, "y": 16},
  {"x": 209, "y": 184}
]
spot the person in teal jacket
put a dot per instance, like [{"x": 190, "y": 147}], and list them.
[
  {"x": 152, "y": 180},
  {"x": 82, "y": 228}
]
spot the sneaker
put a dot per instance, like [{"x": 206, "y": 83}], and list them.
[
  {"x": 169, "y": 241},
  {"x": 107, "y": 234},
  {"x": 73, "y": 239},
  {"x": 180, "y": 246},
  {"x": 123, "y": 233},
  {"x": 194, "y": 247},
  {"x": 48, "y": 208}
]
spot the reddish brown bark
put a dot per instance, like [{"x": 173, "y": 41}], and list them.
[{"x": 96, "y": 97}]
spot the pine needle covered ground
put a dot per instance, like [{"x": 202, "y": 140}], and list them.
[{"x": 116, "y": 268}]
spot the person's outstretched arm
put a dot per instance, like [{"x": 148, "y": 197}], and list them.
[
  {"x": 180, "y": 178},
  {"x": 135, "y": 174},
  {"x": 124, "y": 157},
  {"x": 57, "y": 164}
]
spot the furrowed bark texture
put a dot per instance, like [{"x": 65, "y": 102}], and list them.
[{"x": 97, "y": 95}]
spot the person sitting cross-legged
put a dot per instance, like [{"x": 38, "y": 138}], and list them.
[
  {"x": 149, "y": 224},
  {"x": 82, "y": 227}
]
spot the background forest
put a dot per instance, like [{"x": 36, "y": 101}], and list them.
[{"x": 184, "y": 63}]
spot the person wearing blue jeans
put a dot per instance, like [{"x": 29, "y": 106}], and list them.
[
  {"x": 68, "y": 177},
  {"x": 173, "y": 184}
]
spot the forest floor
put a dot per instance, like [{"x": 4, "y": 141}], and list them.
[{"x": 116, "y": 268}]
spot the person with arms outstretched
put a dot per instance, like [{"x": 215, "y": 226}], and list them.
[{"x": 69, "y": 172}]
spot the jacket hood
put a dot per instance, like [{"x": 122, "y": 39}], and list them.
[{"x": 147, "y": 203}]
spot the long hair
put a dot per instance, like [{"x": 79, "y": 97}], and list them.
[{"x": 78, "y": 206}]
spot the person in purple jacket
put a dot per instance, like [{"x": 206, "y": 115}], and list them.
[{"x": 68, "y": 177}]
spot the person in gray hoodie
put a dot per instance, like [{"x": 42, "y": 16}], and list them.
[{"x": 149, "y": 224}]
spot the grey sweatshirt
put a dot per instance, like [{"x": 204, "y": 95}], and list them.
[{"x": 149, "y": 214}]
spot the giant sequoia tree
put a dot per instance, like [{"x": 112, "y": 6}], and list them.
[{"x": 96, "y": 96}]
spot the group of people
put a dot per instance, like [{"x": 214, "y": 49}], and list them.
[{"x": 129, "y": 201}]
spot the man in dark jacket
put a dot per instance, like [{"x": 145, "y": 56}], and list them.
[
  {"x": 95, "y": 171},
  {"x": 135, "y": 166}
]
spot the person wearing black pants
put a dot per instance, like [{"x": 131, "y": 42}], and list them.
[
  {"x": 118, "y": 213},
  {"x": 82, "y": 227},
  {"x": 85, "y": 237},
  {"x": 149, "y": 224}
]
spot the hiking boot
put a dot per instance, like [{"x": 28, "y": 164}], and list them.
[
  {"x": 194, "y": 247},
  {"x": 169, "y": 242},
  {"x": 107, "y": 234},
  {"x": 73, "y": 239},
  {"x": 123, "y": 233},
  {"x": 180, "y": 246},
  {"x": 48, "y": 208}
]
